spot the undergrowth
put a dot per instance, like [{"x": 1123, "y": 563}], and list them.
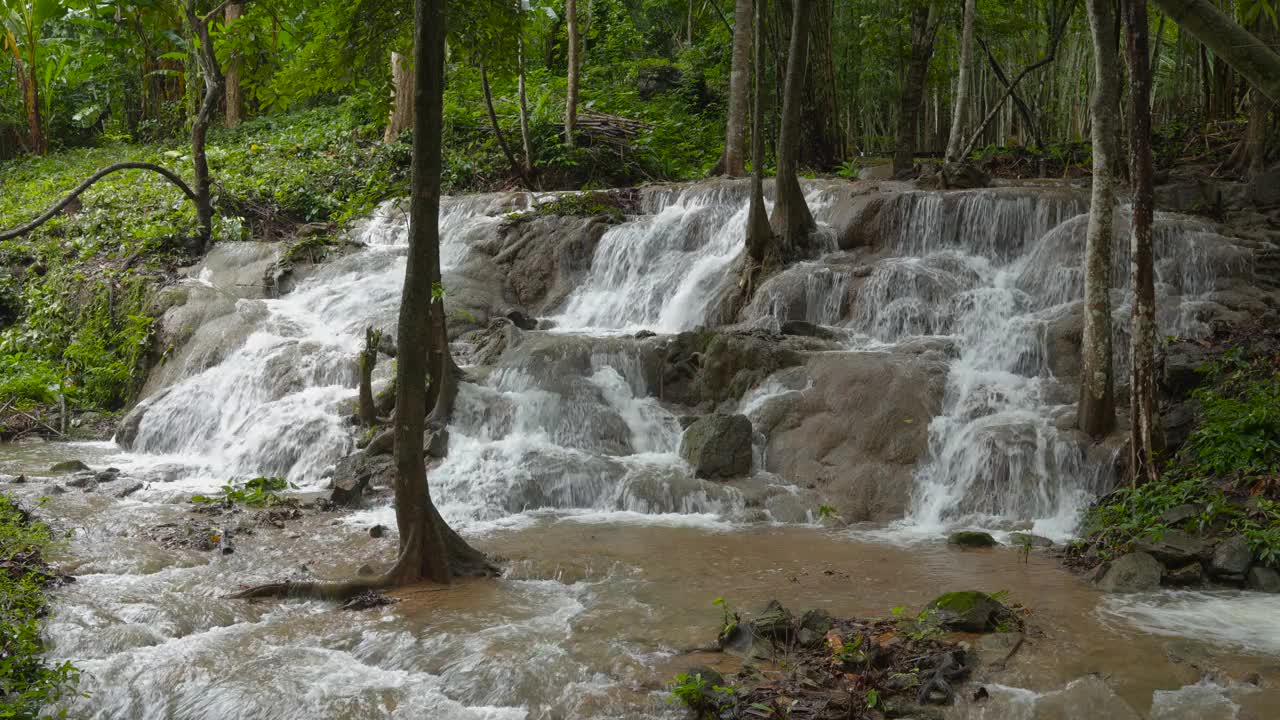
[
  {"x": 1228, "y": 470},
  {"x": 29, "y": 683}
]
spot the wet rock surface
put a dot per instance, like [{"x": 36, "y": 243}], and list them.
[
  {"x": 718, "y": 446},
  {"x": 1135, "y": 572}
]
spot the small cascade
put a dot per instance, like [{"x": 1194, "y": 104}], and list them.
[{"x": 660, "y": 271}]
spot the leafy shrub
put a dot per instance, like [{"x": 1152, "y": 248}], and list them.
[
  {"x": 258, "y": 492},
  {"x": 1228, "y": 466},
  {"x": 29, "y": 684}
]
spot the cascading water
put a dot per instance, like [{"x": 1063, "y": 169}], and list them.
[{"x": 567, "y": 422}]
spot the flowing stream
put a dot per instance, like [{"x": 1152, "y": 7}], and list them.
[{"x": 562, "y": 461}]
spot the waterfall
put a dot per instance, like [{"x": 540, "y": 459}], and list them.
[{"x": 568, "y": 420}]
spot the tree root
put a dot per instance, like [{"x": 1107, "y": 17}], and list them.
[
  {"x": 44, "y": 217},
  {"x": 464, "y": 562}
]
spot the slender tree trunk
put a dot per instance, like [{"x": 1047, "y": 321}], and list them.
[
  {"x": 1096, "y": 411},
  {"x": 207, "y": 61},
  {"x": 31, "y": 95},
  {"x": 423, "y": 554},
  {"x": 402, "y": 103},
  {"x": 234, "y": 103},
  {"x": 1142, "y": 348},
  {"x": 1033, "y": 128},
  {"x": 368, "y": 361},
  {"x": 1259, "y": 64},
  {"x": 924, "y": 27},
  {"x": 792, "y": 222},
  {"x": 962, "y": 84},
  {"x": 525, "y": 138},
  {"x": 735, "y": 142},
  {"x": 759, "y": 233},
  {"x": 516, "y": 167},
  {"x": 571, "y": 93}
]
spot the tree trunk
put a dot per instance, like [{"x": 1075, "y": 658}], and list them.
[
  {"x": 820, "y": 134},
  {"x": 924, "y": 27},
  {"x": 497, "y": 129},
  {"x": 402, "y": 105},
  {"x": 368, "y": 361},
  {"x": 1259, "y": 64},
  {"x": 31, "y": 95},
  {"x": 234, "y": 103},
  {"x": 423, "y": 552},
  {"x": 759, "y": 233},
  {"x": 1142, "y": 348},
  {"x": 525, "y": 138},
  {"x": 207, "y": 60},
  {"x": 962, "y": 84},
  {"x": 1096, "y": 410},
  {"x": 792, "y": 222},
  {"x": 735, "y": 141},
  {"x": 571, "y": 93}
]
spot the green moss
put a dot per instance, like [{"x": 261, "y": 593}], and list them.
[
  {"x": 608, "y": 206},
  {"x": 961, "y": 602}
]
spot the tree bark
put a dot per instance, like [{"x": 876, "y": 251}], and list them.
[
  {"x": 1142, "y": 345},
  {"x": 234, "y": 103},
  {"x": 759, "y": 232},
  {"x": 820, "y": 135},
  {"x": 571, "y": 93},
  {"x": 792, "y": 222},
  {"x": 31, "y": 96},
  {"x": 735, "y": 142},
  {"x": 924, "y": 28},
  {"x": 402, "y": 104},
  {"x": 962, "y": 83},
  {"x": 1238, "y": 47},
  {"x": 1096, "y": 410},
  {"x": 368, "y": 361}
]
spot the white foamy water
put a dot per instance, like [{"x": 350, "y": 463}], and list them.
[{"x": 1244, "y": 620}]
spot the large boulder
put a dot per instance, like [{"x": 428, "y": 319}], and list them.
[
  {"x": 857, "y": 430},
  {"x": 1174, "y": 548},
  {"x": 358, "y": 472},
  {"x": 969, "y": 611},
  {"x": 1231, "y": 558},
  {"x": 1135, "y": 572},
  {"x": 706, "y": 368},
  {"x": 718, "y": 446},
  {"x": 545, "y": 257},
  {"x": 972, "y": 538},
  {"x": 1263, "y": 579}
]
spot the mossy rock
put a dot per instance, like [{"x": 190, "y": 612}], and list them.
[
  {"x": 971, "y": 611},
  {"x": 972, "y": 538},
  {"x": 68, "y": 466}
]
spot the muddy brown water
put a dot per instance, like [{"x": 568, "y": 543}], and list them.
[{"x": 595, "y": 615}]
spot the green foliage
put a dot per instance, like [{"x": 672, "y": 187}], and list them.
[
  {"x": 925, "y": 624},
  {"x": 729, "y": 617},
  {"x": 29, "y": 684},
  {"x": 258, "y": 492},
  {"x": 1227, "y": 467},
  {"x": 700, "y": 696}
]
